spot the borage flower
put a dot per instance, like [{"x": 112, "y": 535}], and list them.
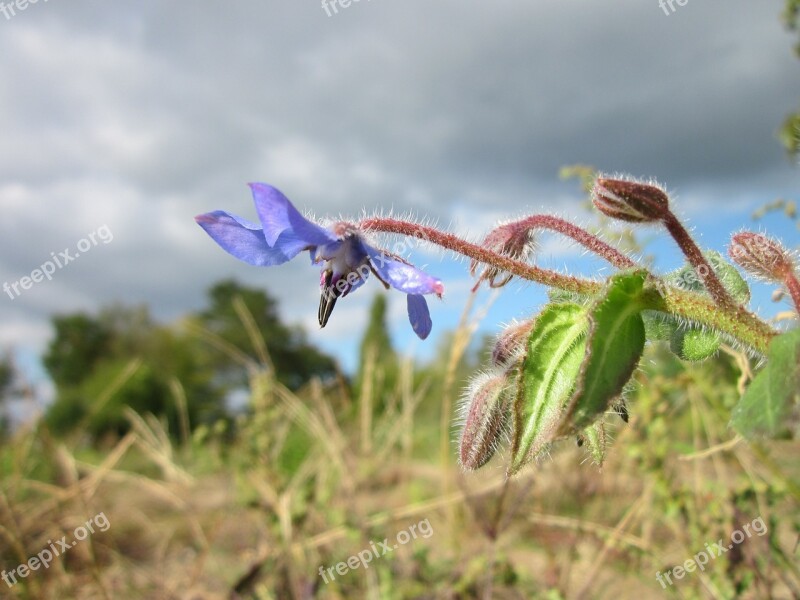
[{"x": 346, "y": 256}]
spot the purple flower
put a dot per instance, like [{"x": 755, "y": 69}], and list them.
[{"x": 346, "y": 257}]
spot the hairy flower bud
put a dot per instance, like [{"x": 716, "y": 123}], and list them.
[
  {"x": 485, "y": 414},
  {"x": 761, "y": 256},
  {"x": 630, "y": 201},
  {"x": 511, "y": 343},
  {"x": 514, "y": 240}
]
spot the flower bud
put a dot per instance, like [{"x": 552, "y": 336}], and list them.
[
  {"x": 630, "y": 201},
  {"x": 485, "y": 414},
  {"x": 511, "y": 343},
  {"x": 514, "y": 240},
  {"x": 761, "y": 256}
]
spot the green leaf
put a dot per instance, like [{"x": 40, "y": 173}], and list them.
[
  {"x": 546, "y": 379},
  {"x": 687, "y": 278},
  {"x": 771, "y": 405},
  {"x": 615, "y": 345},
  {"x": 595, "y": 437},
  {"x": 730, "y": 277}
]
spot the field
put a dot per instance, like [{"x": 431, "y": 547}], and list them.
[{"x": 269, "y": 505}]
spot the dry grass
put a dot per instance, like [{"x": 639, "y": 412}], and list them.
[{"x": 311, "y": 478}]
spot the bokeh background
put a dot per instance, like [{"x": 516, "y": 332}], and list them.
[{"x": 137, "y": 116}]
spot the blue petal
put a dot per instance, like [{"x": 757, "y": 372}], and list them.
[
  {"x": 401, "y": 275},
  {"x": 241, "y": 238},
  {"x": 419, "y": 315},
  {"x": 284, "y": 227}
]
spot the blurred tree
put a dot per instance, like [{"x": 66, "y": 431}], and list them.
[
  {"x": 79, "y": 343},
  {"x": 377, "y": 358},
  {"x": 295, "y": 360},
  {"x": 791, "y": 16},
  {"x": 7, "y": 376},
  {"x": 88, "y": 354},
  {"x": 790, "y": 130},
  {"x": 377, "y": 334}
]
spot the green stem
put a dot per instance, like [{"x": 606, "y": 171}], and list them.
[{"x": 736, "y": 321}]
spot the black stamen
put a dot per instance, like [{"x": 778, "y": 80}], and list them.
[{"x": 327, "y": 300}]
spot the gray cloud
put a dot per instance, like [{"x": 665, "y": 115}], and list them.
[{"x": 140, "y": 116}]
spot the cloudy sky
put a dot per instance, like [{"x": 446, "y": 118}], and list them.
[{"x": 138, "y": 116}]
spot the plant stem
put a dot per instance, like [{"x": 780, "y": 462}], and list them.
[
  {"x": 584, "y": 238},
  {"x": 470, "y": 250},
  {"x": 793, "y": 285},
  {"x": 701, "y": 266},
  {"x": 736, "y": 321},
  {"x": 733, "y": 320}
]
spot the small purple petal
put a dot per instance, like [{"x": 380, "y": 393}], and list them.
[
  {"x": 402, "y": 276},
  {"x": 241, "y": 238},
  {"x": 284, "y": 227},
  {"x": 419, "y": 315}
]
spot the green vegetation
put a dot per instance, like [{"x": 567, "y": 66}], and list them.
[{"x": 789, "y": 133}]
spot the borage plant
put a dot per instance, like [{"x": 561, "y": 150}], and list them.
[{"x": 558, "y": 373}]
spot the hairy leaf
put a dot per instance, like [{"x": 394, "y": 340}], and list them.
[
  {"x": 595, "y": 436},
  {"x": 546, "y": 379},
  {"x": 615, "y": 345},
  {"x": 771, "y": 405}
]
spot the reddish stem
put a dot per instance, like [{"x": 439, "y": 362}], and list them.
[
  {"x": 701, "y": 266},
  {"x": 584, "y": 238},
  {"x": 456, "y": 244},
  {"x": 793, "y": 285}
]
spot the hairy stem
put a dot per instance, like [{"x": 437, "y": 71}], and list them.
[
  {"x": 736, "y": 321},
  {"x": 702, "y": 267},
  {"x": 793, "y": 285},
  {"x": 475, "y": 252},
  {"x": 584, "y": 238},
  {"x": 733, "y": 320}
]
